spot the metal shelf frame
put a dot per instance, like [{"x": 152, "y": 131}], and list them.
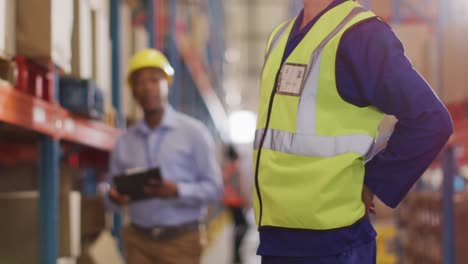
[
  {"x": 55, "y": 124},
  {"x": 115, "y": 21}
]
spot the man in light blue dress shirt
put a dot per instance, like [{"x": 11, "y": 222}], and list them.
[{"x": 165, "y": 228}]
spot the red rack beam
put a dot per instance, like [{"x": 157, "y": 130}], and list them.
[
  {"x": 88, "y": 132},
  {"x": 460, "y": 137},
  {"x": 25, "y": 111},
  {"x": 32, "y": 113}
]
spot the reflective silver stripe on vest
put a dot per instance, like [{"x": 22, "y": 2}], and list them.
[
  {"x": 308, "y": 102},
  {"x": 304, "y": 142},
  {"x": 311, "y": 145}
]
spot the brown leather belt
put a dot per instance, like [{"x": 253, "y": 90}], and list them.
[{"x": 169, "y": 232}]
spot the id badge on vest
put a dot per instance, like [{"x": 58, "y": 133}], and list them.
[{"x": 291, "y": 79}]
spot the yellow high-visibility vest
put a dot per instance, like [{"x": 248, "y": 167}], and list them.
[{"x": 310, "y": 145}]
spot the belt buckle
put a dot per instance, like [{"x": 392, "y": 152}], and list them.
[{"x": 156, "y": 232}]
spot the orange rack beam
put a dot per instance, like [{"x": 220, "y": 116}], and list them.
[{"x": 32, "y": 113}]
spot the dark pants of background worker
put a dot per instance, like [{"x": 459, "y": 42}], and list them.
[
  {"x": 240, "y": 229},
  {"x": 140, "y": 248},
  {"x": 364, "y": 254}
]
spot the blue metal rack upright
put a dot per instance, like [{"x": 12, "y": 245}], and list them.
[
  {"x": 116, "y": 92},
  {"x": 48, "y": 200},
  {"x": 116, "y": 78},
  {"x": 173, "y": 55},
  {"x": 449, "y": 168},
  {"x": 49, "y": 156},
  {"x": 150, "y": 23},
  {"x": 47, "y": 121}
]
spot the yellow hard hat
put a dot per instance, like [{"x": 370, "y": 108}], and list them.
[{"x": 150, "y": 58}]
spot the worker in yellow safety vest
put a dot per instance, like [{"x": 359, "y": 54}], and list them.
[{"x": 329, "y": 76}]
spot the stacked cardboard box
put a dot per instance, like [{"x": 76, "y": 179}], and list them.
[
  {"x": 454, "y": 57},
  {"x": 91, "y": 45},
  {"x": 20, "y": 215},
  {"x": 82, "y": 41},
  {"x": 20, "y": 230},
  {"x": 44, "y": 30},
  {"x": 7, "y": 28},
  {"x": 382, "y": 8},
  {"x": 440, "y": 59},
  {"x": 129, "y": 107},
  {"x": 93, "y": 216}
]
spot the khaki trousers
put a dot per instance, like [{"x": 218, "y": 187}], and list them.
[{"x": 141, "y": 248}]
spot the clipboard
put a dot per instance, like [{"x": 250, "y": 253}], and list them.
[{"x": 134, "y": 182}]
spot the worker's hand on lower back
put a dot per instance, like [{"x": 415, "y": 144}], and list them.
[
  {"x": 162, "y": 189},
  {"x": 118, "y": 198},
  {"x": 368, "y": 199}
]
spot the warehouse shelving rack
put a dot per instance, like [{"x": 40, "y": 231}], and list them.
[
  {"x": 48, "y": 124},
  {"x": 51, "y": 125}
]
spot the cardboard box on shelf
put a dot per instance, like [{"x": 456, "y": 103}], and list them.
[
  {"x": 126, "y": 51},
  {"x": 382, "y": 8},
  {"x": 68, "y": 178},
  {"x": 140, "y": 39},
  {"x": 91, "y": 44},
  {"x": 444, "y": 72},
  {"x": 93, "y": 216},
  {"x": 24, "y": 177},
  {"x": 82, "y": 41},
  {"x": 414, "y": 38},
  {"x": 102, "y": 46},
  {"x": 7, "y": 28},
  {"x": 18, "y": 178},
  {"x": 70, "y": 225},
  {"x": 110, "y": 116},
  {"x": 8, "y": 72},
  {"x": 454, "y": 57},
  {"x": 432, "y": 67},
  {"x": 44, "y": 30},
  {"x": 19, "y": 228}
]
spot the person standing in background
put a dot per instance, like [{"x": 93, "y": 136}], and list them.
[
  {"x": 166, "y": 228},
  {"x": 234, "y": 200}
]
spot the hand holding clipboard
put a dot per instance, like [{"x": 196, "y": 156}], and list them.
[{"x": 142, "y": 185}]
